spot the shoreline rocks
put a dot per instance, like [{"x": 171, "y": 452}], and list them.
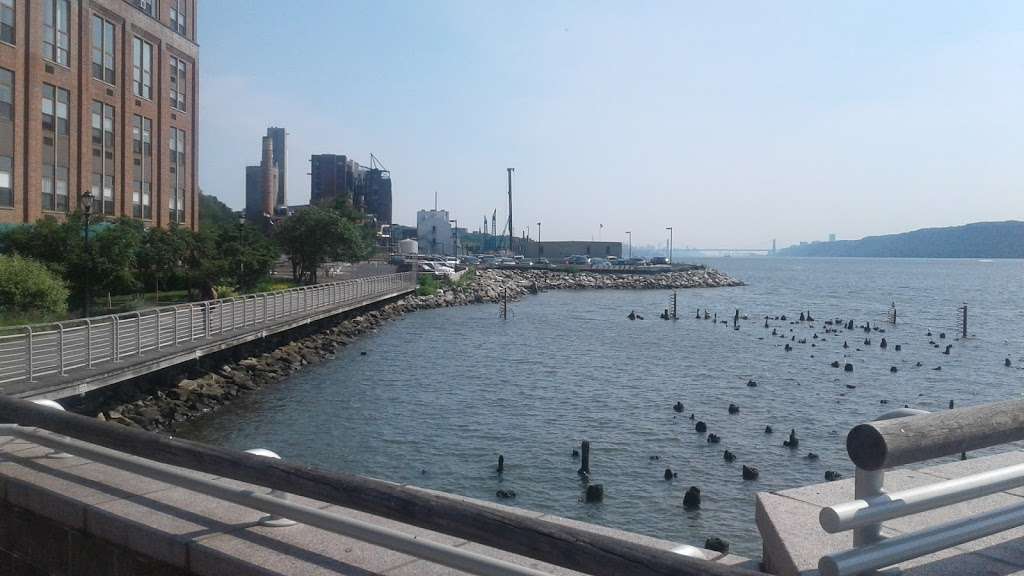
[{"x": 191, "y": 398}]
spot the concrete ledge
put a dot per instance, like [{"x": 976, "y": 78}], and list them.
[
  {"x": 109, "y": 519},
  {"x": 794, "y": 540}
]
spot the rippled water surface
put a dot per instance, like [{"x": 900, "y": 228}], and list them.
[{"x": 439, "y": 394}]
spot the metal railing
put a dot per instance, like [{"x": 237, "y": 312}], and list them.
[
  {"x": 30, "y": 352},
  {"x": 907, "y": 436}
]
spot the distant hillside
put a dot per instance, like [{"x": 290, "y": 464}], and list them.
[{"x": 978, "y": 240}]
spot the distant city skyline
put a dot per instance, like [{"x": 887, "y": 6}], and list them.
[{"x": 736, "y": 125}]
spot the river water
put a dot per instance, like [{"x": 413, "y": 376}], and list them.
[{"x": 441, "y": 393}]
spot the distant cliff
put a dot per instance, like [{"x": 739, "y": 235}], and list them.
[{"x": 978, "y": 240}]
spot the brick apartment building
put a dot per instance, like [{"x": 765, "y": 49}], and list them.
[{"x": 98, "y": 95}]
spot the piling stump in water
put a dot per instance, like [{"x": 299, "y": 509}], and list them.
[
  {"x": 585, "y": 461},
  {"x": 595, "y": 493},
  {"x": 716, "y": 544},
  {"x": 691, "y": 500},
  {"x": 501, "y": 463}
]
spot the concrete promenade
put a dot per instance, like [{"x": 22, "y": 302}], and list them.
[
  {"x": 793, "y": 539},
  {"x": 81, "y": 517},
  {"x": 77, "y": 357}
]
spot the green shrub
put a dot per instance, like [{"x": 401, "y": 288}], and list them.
[
  {"x": 427, "y": 285},
  {"x": 28, "y": 290}
]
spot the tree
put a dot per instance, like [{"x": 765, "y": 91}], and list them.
[
  {"x": 213, "y": 212},
  {"x": 30, "y": 291},
  {"x": 160, "y": 258},
  {"x": 315, "y": 236}
]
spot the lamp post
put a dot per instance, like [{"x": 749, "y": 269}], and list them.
[
  {"x": 455, "y": 234},
  {"x": 241, "y": 243},
  {"x": 629, "y": 234},
  {"x": 87, "y": 199},
  {"x": 669, "y": 228},
  {"x": 538, "y": 232}
]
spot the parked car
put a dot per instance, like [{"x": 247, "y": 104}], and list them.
[
  {"x": 542, "y": 263},
  {"x": 435, "y": 268},
  {"x": 578, "y": 260},
  {"x": 523, "y": 263},
  {"x": 636, "y": 261},
  {"x": 470, "y": 260},
  {"x": 659, "y": 260},
  {"x": 600, "y": 264}
]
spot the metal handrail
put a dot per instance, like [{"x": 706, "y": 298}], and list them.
[
  {"x": 874, "y": 505},
  {"x": 68, "y": 347}
]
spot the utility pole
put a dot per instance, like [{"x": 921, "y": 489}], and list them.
[
  {"x": 538, "y": 233},
  {"x": 629, "y": 234},
  {"x": 669, "y": 228},
  {"x": 510, "y": 234},
  {"x": 455, "y": 234}
]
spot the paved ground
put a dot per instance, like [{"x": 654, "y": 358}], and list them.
[
  {"x": 794, "y": 540},
  {"x": 207, "y": 536}
]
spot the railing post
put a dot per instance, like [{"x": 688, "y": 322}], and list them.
[
  {"x": 174, "y": 333},
  {"x": 867, "y": 484},
  {"x": 115, "y": 337},
  {"x": 243, "y": 311},
  {"x": 264, "y": 296},
  {"x": 870, "y": 483},
  {"x": 138, "y": 333},
  {"x": 88, "y": 341},
  {"x": 158, "y": 329},
  {"x": 60, "y": 344},
  {"x": 31, "y": 373},
  {"x": 191, "y": 323},
  {"x": 206, "y": 319}
]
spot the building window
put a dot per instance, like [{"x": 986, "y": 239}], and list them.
[
  {"x": 142, "y": 67},
  {"x": 142, "y": 169},
  {"x": 56, "y": 147},
  {"x": 6, "y": 138},
  {"x": 178, "y": 16},
  {"x": 103, "y": 156},
  {"x": 56, "y": 26},
  {"x": 103, "y": 50},
  {"x": 178, "y": 175},
  {"x": 179, "y": 72},
  {"x": 7, "y": 21},
  {"x": 147, "y": 6}
]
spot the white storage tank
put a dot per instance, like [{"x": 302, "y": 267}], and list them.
[{"x": 408, "y": 246}]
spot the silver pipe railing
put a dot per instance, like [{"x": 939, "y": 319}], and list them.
[
  {"x": 64, "y": 348},
  {"x": 921, "y": 436}
]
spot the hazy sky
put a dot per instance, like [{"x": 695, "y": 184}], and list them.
[{"x": 734, "y": 122}]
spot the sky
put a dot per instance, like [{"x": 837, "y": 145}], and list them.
[{"x": 733, "y": 122}]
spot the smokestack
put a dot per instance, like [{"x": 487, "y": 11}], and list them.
[{"x": 268, "y": 186}]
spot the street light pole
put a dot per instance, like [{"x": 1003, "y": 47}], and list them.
[
  {"x": 629, "y": 234},
  {"x": 538, "y": 232},
  {"x": 455, "y": 234},
  {"x": 241, "y": 242},
  {"x": 669, "y": 228},
  {"x": 87, "y": 199}
]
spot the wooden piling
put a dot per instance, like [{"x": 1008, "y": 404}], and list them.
[
  {"x": 501, "y": 463},
  {"x": 585, "y": 459}
]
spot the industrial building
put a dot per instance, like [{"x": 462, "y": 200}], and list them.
[
  {"x": 265, "y": 183},
  {"x": 98, "y": 96},
  {"x": 559, "y": 250},
  {"x": 368, "y": 189},
  {"x": 434, "y": 232}
]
